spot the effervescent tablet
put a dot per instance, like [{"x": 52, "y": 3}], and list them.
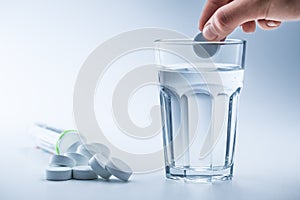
[
  {"x": 84, "y": 172},
  {"x": 119, "y": 169},
  {"x": 73, "y": 147},
  {"x": 79, "y": 158},
  {"x": 60, "y": 160},
  {"x": 204, "y": 50},
  {"x": 89, "y": 150},
  {"x": 97, "y": 163},
  {"x": 58, "y": 173},
  {"x": 99, "y": 148}
]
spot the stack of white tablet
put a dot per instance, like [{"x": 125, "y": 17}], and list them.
[{"x": 87, "y": 162}]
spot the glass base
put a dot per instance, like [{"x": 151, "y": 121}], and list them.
[{"x": 199, "y": 175}]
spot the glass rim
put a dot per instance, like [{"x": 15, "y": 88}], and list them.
[{"x": 192, "y": 41}]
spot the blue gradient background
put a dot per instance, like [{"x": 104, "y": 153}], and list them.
[{"x": 44, "y": 43}]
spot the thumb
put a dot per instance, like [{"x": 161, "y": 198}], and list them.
[{"x": 227, "y": 18}]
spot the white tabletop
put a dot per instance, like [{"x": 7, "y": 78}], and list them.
[{"x": 259, "y": 174}]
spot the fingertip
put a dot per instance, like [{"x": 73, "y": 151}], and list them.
[
  {"x": 271, "y": 23},
  {"x": 209, "y": 32},
  {"x": 268, "y": 24},
  {"x": 225, "y": 20},
  {"x": 200, "y": 26},
  {"x": 249, "y": 27},
  {"x": 209, "y": 9},
  {"x": 201, "y": 23}
]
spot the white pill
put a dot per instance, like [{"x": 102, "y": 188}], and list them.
[
  {"x": 97, "y": 163},
  {"x": 119, "y": 169},
  {"x": 100, "y": 148},
  {"x": 73, "y": 147},
  {"x": 58, "y": 173},
  {"x": 79, "y": 158},
  {"x": 89, "y": 150},
  {"x": 84, "y": 151},
  {"x": 84, "y": 172},
  {"x": 204, "y": 50},
  {"x": 60, "y": 160}
]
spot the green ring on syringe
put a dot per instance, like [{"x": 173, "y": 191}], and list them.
[{"x": 60, "y": 139}]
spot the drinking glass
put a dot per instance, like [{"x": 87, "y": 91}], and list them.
[{"x": 200, "y": 85}]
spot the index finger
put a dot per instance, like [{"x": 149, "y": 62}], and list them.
[{"x": 209, "y": 9}]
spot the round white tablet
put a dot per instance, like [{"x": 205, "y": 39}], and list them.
[
  {"x": 84, "y": 172},
  {"x": 60, "y": 160},
  {"x": 89, "y": 150},
  {"x": 97, "y": 163},
  {"x": 99, "y": 148},
  {"x": 204, "y": 50},
  {"x": 73, "y": 147},
  {"x": 84, "y": 151},
  {"x": 58, "y": 173},
  {"x": 119, "y": 169},
  {"x": 79, "y": 158}
]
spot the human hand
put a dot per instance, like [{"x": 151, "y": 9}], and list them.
[{"x": 220, "y": 17}]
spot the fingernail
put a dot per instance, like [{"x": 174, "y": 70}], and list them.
[
  {"x": 209, "y": 32},
  {"x": 272, "y": 24}
]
